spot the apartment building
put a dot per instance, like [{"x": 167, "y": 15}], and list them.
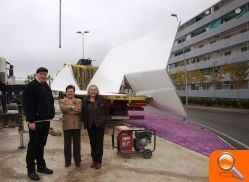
[{"x": 216, "y": 37}]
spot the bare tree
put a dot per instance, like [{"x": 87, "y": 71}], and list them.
[
  {"x": 237, "y": 72},
  {"x": 216, "y": 76},
  {"x": 178, "y": 78}
]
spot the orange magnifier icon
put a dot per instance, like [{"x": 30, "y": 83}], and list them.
[{"x": 226, "y": 162}]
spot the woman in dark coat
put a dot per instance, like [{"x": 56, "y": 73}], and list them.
[{"x": 95, "y": 114}]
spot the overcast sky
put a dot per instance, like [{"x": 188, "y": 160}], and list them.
[{"x": 29, "y": 28}]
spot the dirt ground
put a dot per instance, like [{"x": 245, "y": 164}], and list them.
[{"x": 170, "y": 162}]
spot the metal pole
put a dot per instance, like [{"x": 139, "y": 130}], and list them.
[
  {"x": 186, "y": 79},
  {"x": 173, "y": 45},
  {"x": 185, "y": 71},
  {"x": 185, "y": 67},
  {"x": 60, "y": 25},
  {"x": 21, "y": 128},
  {"x": 83, "y": 53}
]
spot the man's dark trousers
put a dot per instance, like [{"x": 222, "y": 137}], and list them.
[{"x": 37, "y": 141}]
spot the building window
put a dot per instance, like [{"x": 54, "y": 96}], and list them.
[
  {"x": 191, "y": 22},
  {"x": 243, "y": 49},
  {"x": 194, "y": 87},
  {"x": 198, "y": 31},
  {"x": 227, "y": 53},
  {"x": 187, "y": 50},
  {"x": 188, "y": 37},
  {"x": 218, "y": 86},
  {"x": 225, "y": 2},
  {"x": 227, "y": 36},
  {"x": 213, "y": 41},
  {"x": 178, "y": 53},
  {"x": 214, "y": 24},
  {"x": 182, "y": 63},
  {"x": 183, "y": 39},
  {"x": 243, "y": 10},
  {"x": 205, "y": 86},
  {"x": 244, "y": 30},
  {"x": 180, "y": 87},
  {"x": 227, "y": 86},
  {"x": 228, "y": 17}
]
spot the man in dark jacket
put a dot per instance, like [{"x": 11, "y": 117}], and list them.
[{"x": 39, "y": 110}]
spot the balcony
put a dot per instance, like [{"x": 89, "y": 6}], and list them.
[
  {"x": 233, "y": 58},
  {"x": 221, "y": 12},
  {"x": 225, "y": 43},
  {"x": 222, "y": 28}
]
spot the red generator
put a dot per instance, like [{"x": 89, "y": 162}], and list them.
[{"x": 129, "y": 140}]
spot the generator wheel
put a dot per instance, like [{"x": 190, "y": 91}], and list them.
[{"x": 147, "y": 153}]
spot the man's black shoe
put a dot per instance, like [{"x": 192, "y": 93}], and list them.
[
  {"x": 34, "y": 176},
  {"x": 45, "y": 171},
  {"x": 67, "y": 164}
]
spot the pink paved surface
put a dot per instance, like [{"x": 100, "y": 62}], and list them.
[{"x": 181, "y": 132}]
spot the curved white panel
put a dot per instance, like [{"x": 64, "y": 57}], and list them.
[
  {"x": 150, "y": 52},
  {"x": 157, "y": 85},
  {"x": 144, "y": 62},
  {"x": 63, "y": 79}
]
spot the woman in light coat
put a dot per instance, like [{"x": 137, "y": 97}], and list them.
[{"x": 71, "y": 125}]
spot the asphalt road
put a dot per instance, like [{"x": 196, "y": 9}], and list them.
[{"x": 231, "y": 126}]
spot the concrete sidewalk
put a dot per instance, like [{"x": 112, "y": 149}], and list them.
[{"x": 170, "y": 162}]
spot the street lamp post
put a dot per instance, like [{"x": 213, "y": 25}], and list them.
[
  {"x": 60, "y": 24},
  {"x": 185, "y": 67},
  {"x": 83, "y": 37}
]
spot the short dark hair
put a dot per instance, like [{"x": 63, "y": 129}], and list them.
[
  {"x": 70, "y": 87},
  {"x": 42, "y": 69}
]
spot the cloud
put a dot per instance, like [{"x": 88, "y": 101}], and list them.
[{"x": 29, "y": 28}]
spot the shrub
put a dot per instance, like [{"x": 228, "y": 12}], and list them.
[
  {"x": 183, "y": 100},
  {"x": 209, "y": 102},
  {"x": 219, "y": 101},
  {"x": 244, "y": 103},
  {"x": 200, "y": 101},
  {"x": 227, "y": 102},
  {"x": 235, "y": 103}
]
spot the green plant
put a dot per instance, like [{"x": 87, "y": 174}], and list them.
[
  {"x": 227, "y": 102},
  {"x": 209, "y": 102},
  {"x": 219, "y": 101},
  {"x": 183, "y": 100},
  {"x": 244, "y": 103},
  {"x": 237, "y": 73},
  {"x": 203, "y": 101},
  {"x": 191, "y": 100},
  {"x": 235, "y": 103}
]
